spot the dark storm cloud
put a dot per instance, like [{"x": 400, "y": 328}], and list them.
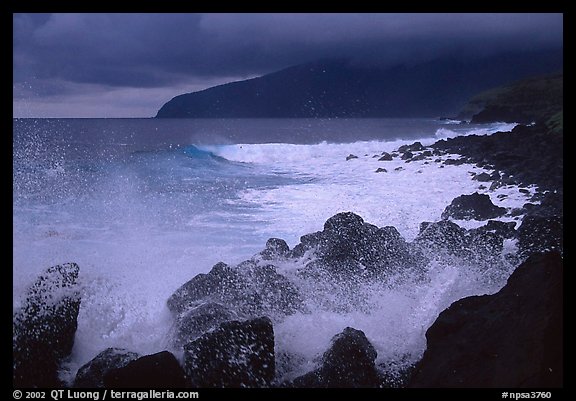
[{"x": 155, "y": 50}]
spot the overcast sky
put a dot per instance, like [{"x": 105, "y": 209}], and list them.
[{"x": 128, "y": 65}]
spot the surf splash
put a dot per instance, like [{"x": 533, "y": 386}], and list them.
[{"x": 141, "y": 223}]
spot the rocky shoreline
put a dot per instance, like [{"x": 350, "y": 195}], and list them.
[{"x": 223, "y": 320}]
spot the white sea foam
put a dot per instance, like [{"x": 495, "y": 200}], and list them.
[
  {"x": 140, "y": 230},
  {"x": 445, "y": 133},
  {"x": 404, "y": 196}
]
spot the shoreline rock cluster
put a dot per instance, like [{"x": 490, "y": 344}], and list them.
[
  {"x": 228, "y": 339},
  {"x": 224, "y": 319}
]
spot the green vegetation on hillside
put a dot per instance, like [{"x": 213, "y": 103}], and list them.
[
  {"x": 535, "y": 99},
  {"x": 556, "y": 122}
]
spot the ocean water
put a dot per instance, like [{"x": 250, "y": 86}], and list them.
[{"x": 143, "y": 205}]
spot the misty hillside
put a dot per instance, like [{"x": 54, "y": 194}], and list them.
[{"x": 341, "y": 88}]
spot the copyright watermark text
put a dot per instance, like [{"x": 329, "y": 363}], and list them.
[{"x": 103, "y": 395}]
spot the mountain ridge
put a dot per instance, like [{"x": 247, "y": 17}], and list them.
[{"x": 342, "y": 88}]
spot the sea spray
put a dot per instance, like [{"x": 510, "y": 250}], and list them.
[{"x": 142, "y": 216}]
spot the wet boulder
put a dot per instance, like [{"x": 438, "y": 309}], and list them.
[
  {"x": 444, "y": 237},
  {"x": 385, "y": 157},
  {"x": 223, "y": 284},
  {"x": 198, "y": 320},
  {"x": 349, "y": 246},
  {"x": 277, "y": 294},
  {"x": 248, "y": 290},
  {"x": 160, "y": 370},
  {"x": 349, "y": 363},
  {"x": 308, "y": 242},
  {"x": 414, "y": 147},
  {"x": 422, "y": 156},
  {"x": 455, "y": 162},
  {"x": 540, "y": 234},
  {"x": 504, "y": 229},
  {"x": 344, "y": 235},
  {"x": 237, "y": 354},
  {"x": 91, "y": 375},
  {"x": 551, "y": 204},
  {"x": 407, "y": 155},
  {"x": 485, "y": 247},
  {"x": 475, "y": 206},
  {"x": 482, "y": 177},
  {"x": 511, "y": 339},
  {"x": 276, "y": 248},
  {"x": 45, "y": 326}
]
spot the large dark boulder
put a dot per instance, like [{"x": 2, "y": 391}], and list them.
[
  {"x": 485, "y": 242},
  {"x": 277, "y": 294},
  {"x": 160, "y": 370},
  {"x": 247, "y": 290},
  {"x": 196, "y": 321},
  {"x": 540, "y": 234},
  {"x": 551, "y": 204},
  {"x": 385, "y": 157},
  {"x": 345, "y": 236},
  {"x": 455, "y": 162},
  {"x": 444, "y": 237},
  {"x": 45, "y": 326},
  {"x": 422, "y": 156},
  {"x": 510, "y": 339},
  {"x": 91, "y": 375},
  {"x": 483, "y": 177},
  {"x": 349, "y": 246},
  {"x": 237, "y": 354},
  {"x": 479, "y": 247},
  {"x": 407, "y": 155},
  {"x": 415, "y": 147},
  {"x": 223, "y": 284},
  {"x": 475, "y": 206},
  {"x": 504, "y": 229},
  {"x": 484, "y": 247},
  {"x": 349, "y": 362},
  {"x": 276, "y": 248}
]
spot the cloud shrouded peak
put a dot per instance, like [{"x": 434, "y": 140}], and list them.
[{"x": 183, "y": 50}]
